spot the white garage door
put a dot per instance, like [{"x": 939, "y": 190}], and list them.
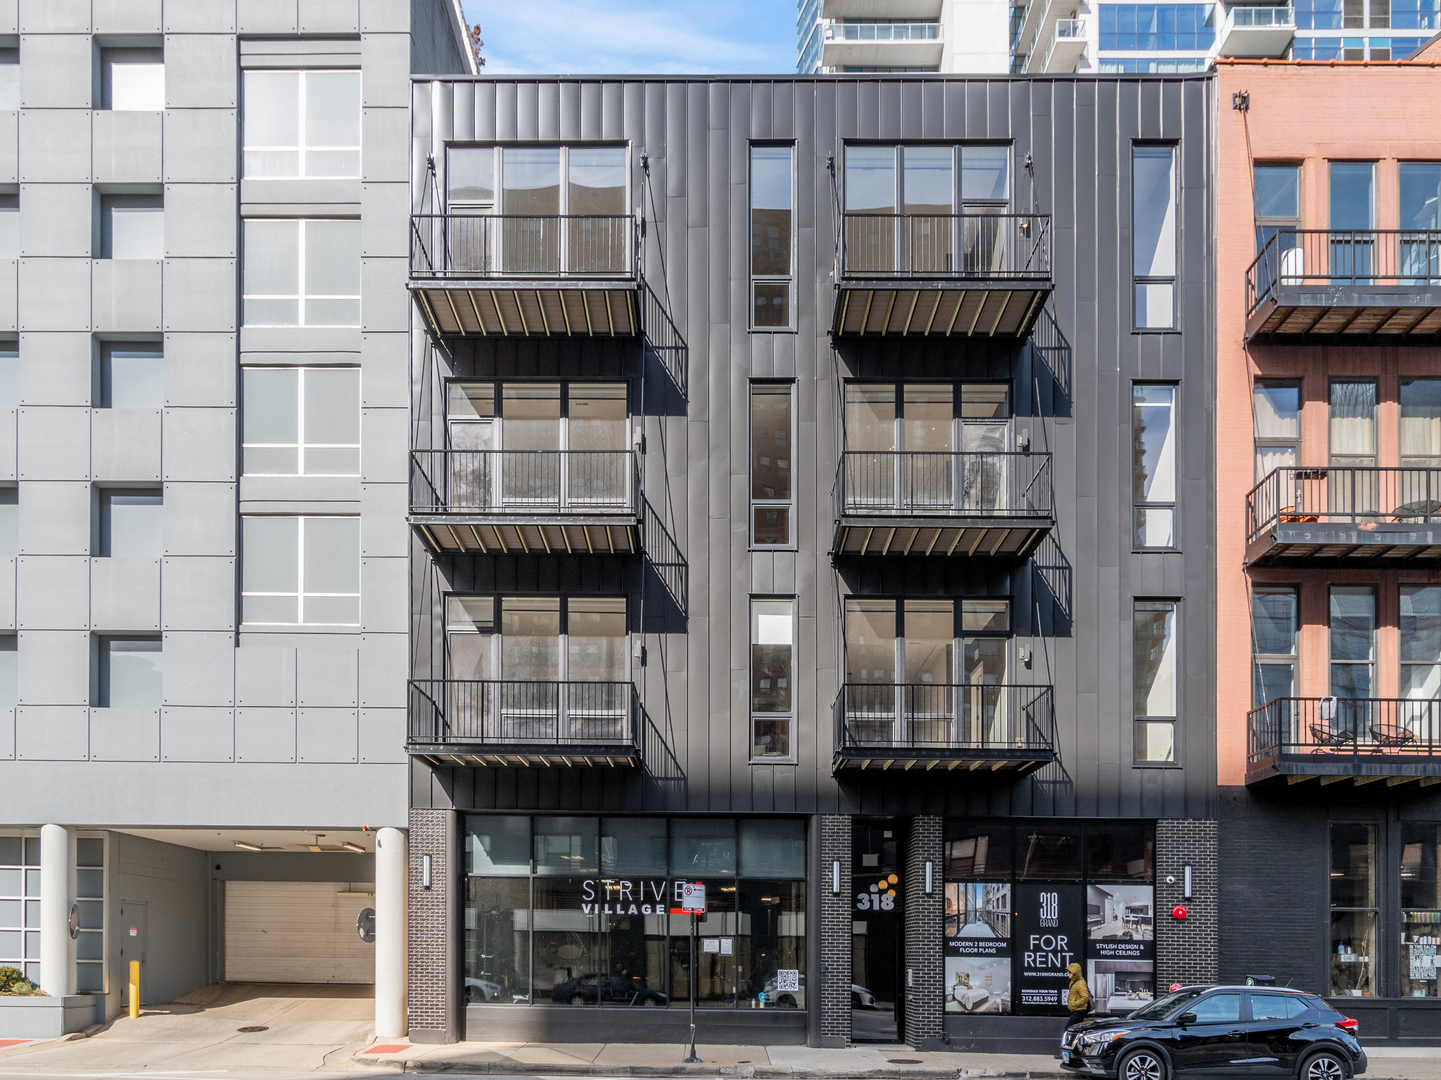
[{"x": 295, "y": 931}]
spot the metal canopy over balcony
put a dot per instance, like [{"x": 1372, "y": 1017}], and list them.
[
  {"x": 520, "y": 723},
  {"x": 942, "y": 275},
  {"x": 995, "y": 505},
  {"x": 1257, "y": 33},
  {"x": 990, "y": 728},
  {"x": 508, "y": 502},
  {"x": 1353, "y": 740},
  {"x": 1345, "y": 515},
  {"x": 1347, "y": 286},
  {"x": 487, "y": 275}
]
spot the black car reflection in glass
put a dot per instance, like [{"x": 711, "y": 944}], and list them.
[
  {"x": 611, "y": 989},
  {"x": 1220, "y": 1031}
]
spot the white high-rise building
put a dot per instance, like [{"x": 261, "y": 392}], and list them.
[{"x": 957, "y": 36}]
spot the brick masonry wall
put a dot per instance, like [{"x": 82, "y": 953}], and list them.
[
  {"x": 1187, "y": 950},
  {"x": 835, "y": 978},
  {"x": 434, "y": 1008},
  {"x": 925, "y": 923}
]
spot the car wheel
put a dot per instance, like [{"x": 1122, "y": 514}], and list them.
[
  {"x": 1323, "y": 1066},
  {"x": 1142, "y": 1065},
  {"x": 649, "y": 1001},
  {"x": 575, "y": 999},
  {"x": 855, "y": 1001}
]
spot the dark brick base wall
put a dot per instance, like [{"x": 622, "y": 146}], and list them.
[
  {"x": 1187, "y": 950},
  {"x": 835, "y": 975},
  {"x": 435, "y": 949},
  {"x": 923, "y": 980}
]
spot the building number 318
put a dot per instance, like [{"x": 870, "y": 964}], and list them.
[{"x": 867, "y": 901}]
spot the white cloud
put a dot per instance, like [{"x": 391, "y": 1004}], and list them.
[{"x": 636, "y": 36}]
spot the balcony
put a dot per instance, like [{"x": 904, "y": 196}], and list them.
[
  {"x": 509, "y": 275},
  {"x": 1258, "y": 33},
  {"x": 507, "y": 502},
  {"x": 871, "y": 44},
  {"x": 881, "y": 9},
  {"x": 520, "y": 723},
  {"x": 1068, "y": 45},
  {"x": 942, "y": 275},
  {"x": 998, "y": 729},
  {"x": 1037, "y": 29},
  {"x": 1315, "y": 285},
  {"x": 990, "y": 505},
  {"x": 1352, "y": 740},
  {"x": 1345, "y": 516}
]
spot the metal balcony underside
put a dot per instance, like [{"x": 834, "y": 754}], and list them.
[
  {"x": 1013, "y": 763},
  {"x": 523, "y": 755},
  {"x": 1393, "y": 315},
  {"x": 528, "y": 308},
  {"x": 997, "y": 538},
  {"x": 517, "y": 534},
  {"x": 1321, "y": 544},
  {"x": 1350, "y": 741},
  {"x": 888, "y": 308}
]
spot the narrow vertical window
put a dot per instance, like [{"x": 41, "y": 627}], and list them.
[
  {"x": 1353, "y": 655},
  {"x": 1420, "y": 206},
  {"x": 1154, "y": 668},
  {"x": 1276, "y": 407},
  {"x": 1153, "y": 233},
  {"x": 1420, "y": 657},
  {"x": 772, "y": 464},
  {"x": 1153, "y": 458},
  {"x": 1353, "y": 216},
  {"x": 1353, "y": 910},
  {"x": 1278, "y": 217},
  {"x": 1420, "y": 431},
  {"x": 772, "y": 199},
  {"x": 772, "y": 694},
  {"x": 1274, "y": 611}
]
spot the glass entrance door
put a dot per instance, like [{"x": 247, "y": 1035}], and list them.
[{"x": 877, "y": 931}]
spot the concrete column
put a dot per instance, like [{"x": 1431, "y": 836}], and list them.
[
  {"x": 390, "y": 931},
  {"x": 57, "y": 896}
]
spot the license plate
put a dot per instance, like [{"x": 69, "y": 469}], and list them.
[{"x": 1065, "y": 1057}]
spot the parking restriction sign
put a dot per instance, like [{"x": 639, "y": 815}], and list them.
[{"x": 692, "y": 897}]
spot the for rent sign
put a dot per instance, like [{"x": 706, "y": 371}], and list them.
[{"x": 1049, "y": 937}]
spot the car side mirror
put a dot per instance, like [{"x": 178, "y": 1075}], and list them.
[{"x": 1186, "y": 1018}]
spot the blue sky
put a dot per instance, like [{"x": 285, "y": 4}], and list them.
[{"x": 636, "y": 36}]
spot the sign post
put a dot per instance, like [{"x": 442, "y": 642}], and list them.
[{"x": 692, "y": 903}]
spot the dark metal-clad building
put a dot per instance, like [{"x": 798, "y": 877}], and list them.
[{"x": 809, "y": 499}]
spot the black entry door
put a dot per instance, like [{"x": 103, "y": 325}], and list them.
[{"x": 877, "y": 926}]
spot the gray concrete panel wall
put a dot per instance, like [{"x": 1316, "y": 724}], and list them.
[
  {"x": 1071, "y": 142},
  {"x": 173, "y": 884}
]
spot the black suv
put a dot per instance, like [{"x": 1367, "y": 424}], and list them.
[{"x": 1219, "y": 1031}]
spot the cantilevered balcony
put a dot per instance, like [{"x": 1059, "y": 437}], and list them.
[
  {"x": 880, "y": 44},
  {"x": 1345, "y": 515},
  {"x": 1352, "y": 740},
  {"x": 487, "y": 275},
  {"x": 991, "y": 505},
  {"x": 1317, "y": 285},
  {"x": 517, "y": 723},
  {"x": 1068, "y": 45},
  {"x": 1257, "y": 33},
  {"x": 998, "y": 729},
  {"x": 973, "y": 275},
  {"x": 526, "y": 501}
]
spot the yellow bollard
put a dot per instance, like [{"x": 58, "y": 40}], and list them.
[{"x": 134, "y": 989}]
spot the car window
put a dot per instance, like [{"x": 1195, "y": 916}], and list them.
[
  {"x": 1296, "y": 1006},
  {"x": 1269, "y": 1007},
  {"x": 1218, "y": 1009},
  {"x": 1167, "y": 1006}
]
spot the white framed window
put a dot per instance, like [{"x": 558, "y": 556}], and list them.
[
  {"x": 300, "y": 123},
  {"x": 300, "y": 570},
  {"x": 302, "y": 272},
  {"x": 300, "y": 421},
  {"x": 132, "y": 80}
]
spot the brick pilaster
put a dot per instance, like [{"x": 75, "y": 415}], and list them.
[
  {"x": 836, "y": 915},
  {"x": 435, "y": 951},
  {"x": 1187, "y": 949},
  {"x": 924, "y": 952}
]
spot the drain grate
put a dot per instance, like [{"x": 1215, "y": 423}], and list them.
[
  {"x": 253, "y": 1028},
  {"x": 904, "y": 1061}
]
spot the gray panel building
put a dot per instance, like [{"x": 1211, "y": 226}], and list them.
[
  {"x": 203, "y": 616},
  {"x": 809, "y": 498}
]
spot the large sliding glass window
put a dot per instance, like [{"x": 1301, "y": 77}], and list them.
[
  {"x": 772, "y": 195},
  {"x": 1353, "y": 910},
  {"x": 1155, "y": 665},
  {"x": 1153, "y": 235},
  {"x": 578, "y": 911}
]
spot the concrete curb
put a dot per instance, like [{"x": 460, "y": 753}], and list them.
[{"x": 747, "y": 1072}]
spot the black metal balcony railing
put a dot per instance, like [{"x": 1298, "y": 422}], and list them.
[
  {"x": 1344, "y": 257},
  {"x": 520, "y": 482},
  {"x": 514, "y": 716},
  {"x": 1363, "y": 496},
  {"x": 922, "y": 483},
  {"x": 466, "y": 246},
  {"x": 947, "y": 719},
  {"x": 977, "y": 246},
  {"x": 1371, "y": 731}
]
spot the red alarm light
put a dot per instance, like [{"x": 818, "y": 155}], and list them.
[{"x": 1178, "y": 912}]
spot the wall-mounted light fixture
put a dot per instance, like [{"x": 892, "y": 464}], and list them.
[
  {"x": 425, "y": 871},
  {"x": 1188, "y": 882},
  {"x": 930, "y": 877},
  {"x": 348, "y": 846},
  {"x": 836, "y": 877}
]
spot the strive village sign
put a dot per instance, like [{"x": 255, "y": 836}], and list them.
[{"x": 640, "y": 896}]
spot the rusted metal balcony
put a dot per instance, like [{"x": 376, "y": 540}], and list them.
[
  {"x": 995, "y": 728},
  {"x": 942, "y": 275},
  {"x": 1342, "y": 515},
  {"x": 1352, "y": 740},
  {"x": 991, "y": 505},
  {"x": 1314, "y": 285},
  {"x": 520, "y": 723},
  {"x": 487, "y": 275},
  {"x": 526, "y": 501}
]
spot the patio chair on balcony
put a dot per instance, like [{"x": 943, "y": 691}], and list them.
[
  {"x": 1390, "y": 736},
  {"x": 1328, "y": 738}
]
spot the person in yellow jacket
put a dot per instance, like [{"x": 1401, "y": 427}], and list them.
[{"x": 1079, "y": 999}]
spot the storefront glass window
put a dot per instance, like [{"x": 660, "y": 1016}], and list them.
[
  {"x": 497, "y": 845},
  {"x": 1120, "y": 851},
  {"x": 700, "y": 847},
  {"x": 771, "y": 920},
  {"x": 772, "y": 848},
  {"x": 497, "y": 940},
  {"x": 1353, "y": 910},
  {"x": 979, "y": 851},
  {"x": 1048, "y": 853},
  {"x": 565, "y": 940},
  {"x": 632, "y": 846},
  {"x": 566, "y": 845},
  {"x": 1420, "y": 907}
]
